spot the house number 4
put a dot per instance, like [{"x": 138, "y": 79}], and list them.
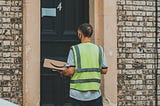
[{"x": 59, "y": 7}]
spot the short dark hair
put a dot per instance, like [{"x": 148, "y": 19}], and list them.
[{"x": 86, "y": 29}]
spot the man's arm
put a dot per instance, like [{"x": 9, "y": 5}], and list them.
[
  {"x": 69, "y": 71},
  {"x": 104, "y": 65}
]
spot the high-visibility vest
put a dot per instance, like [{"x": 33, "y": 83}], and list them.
[{"x": 88, "y": 64}]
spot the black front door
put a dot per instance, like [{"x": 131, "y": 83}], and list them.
[{"x": 59, "y": 22}]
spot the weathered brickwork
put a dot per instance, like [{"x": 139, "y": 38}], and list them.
[
  {"x": 136, "y": 52},
  {"x": 11, "y": 50}
]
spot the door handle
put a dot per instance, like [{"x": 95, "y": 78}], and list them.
[{"x": 59, "y": 7}]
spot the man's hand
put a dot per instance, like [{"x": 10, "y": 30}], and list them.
[
  {"x": 67, "y": 71},
  {"x": 104, "y": 71}
]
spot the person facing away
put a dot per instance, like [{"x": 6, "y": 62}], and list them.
[{"x": 86, "y": 62}]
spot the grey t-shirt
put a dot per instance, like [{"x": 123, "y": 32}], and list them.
[{"x": 83, "y": 95}]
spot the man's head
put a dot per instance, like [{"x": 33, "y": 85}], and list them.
[{"x": 86, "y": 30}]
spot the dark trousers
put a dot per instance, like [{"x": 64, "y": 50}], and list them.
[{"x": 96, "y": 102}]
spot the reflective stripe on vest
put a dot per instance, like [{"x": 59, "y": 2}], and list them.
[
  {"x": 85, "y": 79},
  {"x": 87, "y": 70}
]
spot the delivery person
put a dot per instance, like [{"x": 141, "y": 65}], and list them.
[{"x": 86, "y": 62}]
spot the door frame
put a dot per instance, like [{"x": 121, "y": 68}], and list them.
[{"x": 31, "y": 45}]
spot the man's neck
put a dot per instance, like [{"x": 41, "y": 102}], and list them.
[{"x": 85, "y": 39}]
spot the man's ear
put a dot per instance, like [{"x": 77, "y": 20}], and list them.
[{"x": 80, "y": 36}]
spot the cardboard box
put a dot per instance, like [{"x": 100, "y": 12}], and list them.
[{"x": 54, "y": 64}]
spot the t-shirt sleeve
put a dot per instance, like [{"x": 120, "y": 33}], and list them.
[
  {"x": 70, "y": 60},
  {"x": 104, "y": 62}
]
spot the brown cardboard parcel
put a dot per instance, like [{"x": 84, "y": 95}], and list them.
[{"x": 54, "y": 64}]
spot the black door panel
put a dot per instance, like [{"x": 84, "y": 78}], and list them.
[{"x": 59, "y": 22}]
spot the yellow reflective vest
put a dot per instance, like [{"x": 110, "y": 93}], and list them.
[{"x": 88, "y": 64}]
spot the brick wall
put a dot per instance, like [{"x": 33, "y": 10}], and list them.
[
  {"x": 136, "y": 52},
  {"x": 11, "y": 50}
]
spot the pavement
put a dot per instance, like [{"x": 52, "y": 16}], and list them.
[{"x": 6, "y": 103}]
